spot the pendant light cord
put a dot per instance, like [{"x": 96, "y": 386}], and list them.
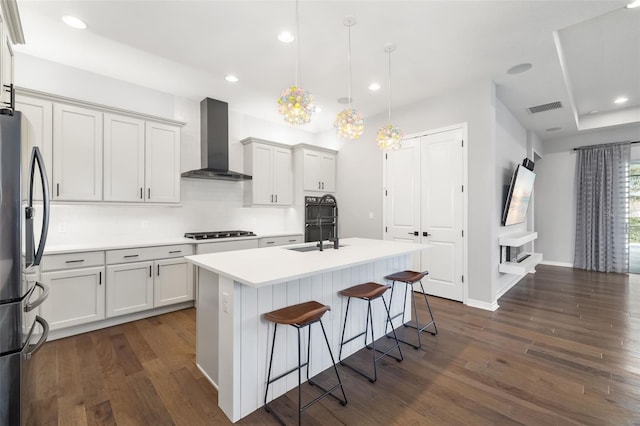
[
  {"x": 349, "y": 81},
  {"x": 299, "y": 63},
  {"x": 389, "y": 86}
]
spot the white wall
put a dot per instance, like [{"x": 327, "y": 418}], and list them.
[
  {"x": 205, "y": 204},
  {"x": 555, "y": 208}
]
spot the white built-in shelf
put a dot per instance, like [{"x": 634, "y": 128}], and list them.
[
  {"x": 521, "y": 268},
  {"x": 517, "y": 239}
]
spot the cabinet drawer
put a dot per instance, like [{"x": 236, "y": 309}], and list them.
[
  {"x": 52, "y": 262},
  {"x": 148, "y": 253},
  {"x": 281, "y": 241}
]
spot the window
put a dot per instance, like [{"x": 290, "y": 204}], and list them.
[{"x": 634, "y": 217}]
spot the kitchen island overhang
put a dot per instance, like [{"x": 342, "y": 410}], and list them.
[{"x": 236, "y": 288}]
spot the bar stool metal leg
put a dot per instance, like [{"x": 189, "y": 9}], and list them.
[
  {"x": 415, "y": 313},
  {"x": 327, "y": 392},
  {"x": 372, "y": 347}
]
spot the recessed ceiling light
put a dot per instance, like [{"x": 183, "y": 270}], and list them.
[
  {"x": 554, "y": 129},
  {"x": 633, "y": 4},
  {"x": 374, "y": 87},
  {"x": 520, "y": 68},
  {"x": 74, "y": 22},
  {"x": 285, "y": 36},
  {"x": 231, "y": 78},
  {"x": 620, "y": 100},
  {"x": 344, "y": 100}
]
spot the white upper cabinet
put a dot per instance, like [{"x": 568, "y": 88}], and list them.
[
  {"x": 124, "y": 158},
  {"x": 270, "y": 165},
  {"x": 319, "y": 171},
  {"x": 37, "y": 130},
  {"x": 162, "y": 163},
  {"x": 77, "y": 153},
  {"x": 6, "y": 64}
]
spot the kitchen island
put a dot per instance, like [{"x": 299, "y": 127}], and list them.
[{"x": 236, "y": 288}]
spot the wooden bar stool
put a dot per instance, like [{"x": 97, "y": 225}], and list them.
[
  {"x": 300, "y": 316},
  {"x": 369, "y": 292},
  {"x": 410, "y": 278}
]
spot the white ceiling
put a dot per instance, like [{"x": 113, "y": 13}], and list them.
[{"x": 187, "y": 47}]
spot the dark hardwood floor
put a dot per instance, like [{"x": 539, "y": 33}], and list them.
[{"x": 564, "y": 348}]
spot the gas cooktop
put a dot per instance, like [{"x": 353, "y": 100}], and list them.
[{"x": 218, "y": 234}]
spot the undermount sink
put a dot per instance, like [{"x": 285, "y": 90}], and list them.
[{"x": 313, "y": 248}]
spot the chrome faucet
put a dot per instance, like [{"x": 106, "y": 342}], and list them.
[{"x": 334, "y": 240}]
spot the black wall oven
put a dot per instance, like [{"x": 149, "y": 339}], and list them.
[{"x": 316, "y": 214}]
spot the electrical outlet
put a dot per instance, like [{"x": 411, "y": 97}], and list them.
[
  {"x": 62, "y": 227},
  {"x": 225, "y": 302}
]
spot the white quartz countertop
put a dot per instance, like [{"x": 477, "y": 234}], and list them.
[
  {"x": 125, "y": 243},
  {"x": 272, "y": 265}
]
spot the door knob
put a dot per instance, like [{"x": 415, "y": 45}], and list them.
[
  {"x": 425, "y": 234},
  {"x": 415, "y": 233}
]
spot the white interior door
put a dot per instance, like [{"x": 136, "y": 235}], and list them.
[
  {"x": 442, "y": 212},
  {"x": 424, "y": 196},
  {"x": 402, "y": 195}
]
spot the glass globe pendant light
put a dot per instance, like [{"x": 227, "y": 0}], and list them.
[
  {"x": 389, "y": 137},
  {"x": 296, "y": 104},
  {"x": 349, "y": 122}
]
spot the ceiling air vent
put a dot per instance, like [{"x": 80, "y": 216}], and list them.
[{"x": 544, "y": 107}]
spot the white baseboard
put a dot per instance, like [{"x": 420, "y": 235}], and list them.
[
  {"x": 552, "y": 263},
  {"x": 509, "y": 286},
  {"x": 110, "y": 322},
  {"x": 206, "y": 376},
  {"x": 482, "y": 305}
]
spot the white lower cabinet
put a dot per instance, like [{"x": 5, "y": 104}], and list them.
[
  {"x": 129, "y": 288},
  {"x": 173, "y": 282},
  {"x": 76, "y": 296}
]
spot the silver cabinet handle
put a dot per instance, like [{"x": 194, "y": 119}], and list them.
[
  {"x": 131, "y": 255},
  {"x": 271, "y": 242},
  {"x": 276, "y": 198},
  {"x": 175, "y": 251},
  {"x": 158, "y": 270},
  {"x": 141, "y": 193},
  {"x": 43, "y": 338},
  {"x": 319, "y": 185},
  {"x": 30, "y": 306},
  {"x": 148, "y": 193},
  {"x": 74, "y": 261},
  {"x": 322, "y": 185},
  {"x": 272, "y": 198},
  {"x": 149, "y": 271},
  {"x": 292, "y": 241},
  {"x": 100, "y": 278},
  {"x": 57, "y": 189}
]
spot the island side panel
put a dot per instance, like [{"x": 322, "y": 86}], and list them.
[
  {"x": 229, "y": 350},
  {"x": 253, "y": 335},
  {"x": 207, "y": 325}
]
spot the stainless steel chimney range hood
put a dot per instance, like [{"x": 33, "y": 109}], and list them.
[{"x": 214, "y": 140}]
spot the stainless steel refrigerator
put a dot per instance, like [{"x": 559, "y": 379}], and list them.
[{"x": 22, "y": 332}]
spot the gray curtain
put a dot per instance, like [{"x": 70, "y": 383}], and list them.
[{"x": 602, "y": 183}]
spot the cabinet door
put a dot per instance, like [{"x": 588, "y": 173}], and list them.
[
  {"x": 77, "y": 153},
  {"x": 162, "y": 163},
  {"x": 328, "y": 172},
  {"x": 262, "y": 173},
  {"x": 123, "y": 158},
  {"x": 173, "y": 282},
  {"x": 129, "y": 288},
  {"x": 312, "y": 179},
  {"x": 282, "y": 176},
  {"x": 7, "y": 68},
  {"x": 37, "y": 130},
  {"x": 75, "y": 297}
]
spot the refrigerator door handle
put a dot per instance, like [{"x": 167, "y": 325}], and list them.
[
  {"x": 43, "y": 338},
  {"x": 33, "y": 256},
  {"x": 30, "y": 306}
]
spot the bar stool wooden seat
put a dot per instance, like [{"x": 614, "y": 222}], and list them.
[
  {"x": 300, "y": 316},
  {"x": 410, "y": 278},
  {"x": 368, "y": 291}
]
